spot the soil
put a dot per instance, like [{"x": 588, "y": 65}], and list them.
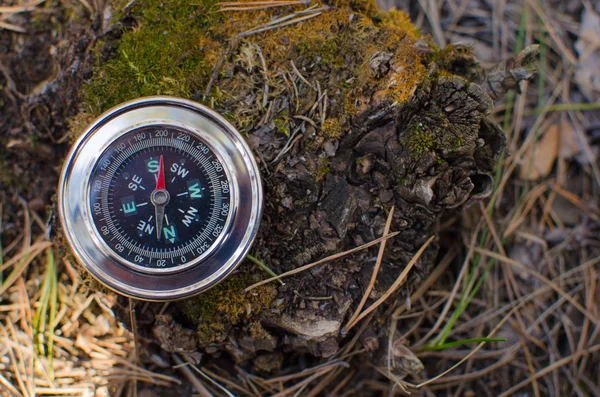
[{"x": 41, "y": 74}]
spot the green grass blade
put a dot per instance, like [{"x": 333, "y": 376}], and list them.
[
  {"x": 461, "y": 342},
  {"x": 52, "y": 269},
  {"x": 266, "y": 268}
]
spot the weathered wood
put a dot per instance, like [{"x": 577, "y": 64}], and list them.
[{"x": 349, "y": 113}]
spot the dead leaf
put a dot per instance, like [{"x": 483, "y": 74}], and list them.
[
  {"x": 568, "y": 146},
  {"x": 540, "y": 157}
]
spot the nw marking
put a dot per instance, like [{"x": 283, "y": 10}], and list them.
[{"x": 189, "y": 216}]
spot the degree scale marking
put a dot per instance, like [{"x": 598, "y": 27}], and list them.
[{"x": 133, "y": 151}]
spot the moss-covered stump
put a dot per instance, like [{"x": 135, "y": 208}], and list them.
[{"x": 350, "y": 112}]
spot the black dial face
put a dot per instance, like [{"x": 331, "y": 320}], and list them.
[{"x": 160, "y": 197}]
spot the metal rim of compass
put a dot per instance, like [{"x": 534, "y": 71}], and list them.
[{"x": 83, "y": 237}]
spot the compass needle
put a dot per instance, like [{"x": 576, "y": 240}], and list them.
[
  {"x": 206, "y": 229},
  {"x": 160, "y": 213},
  {"x": 160, "y": 197}
]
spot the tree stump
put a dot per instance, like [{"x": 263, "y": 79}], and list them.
[{"x": 350, "y": 113}]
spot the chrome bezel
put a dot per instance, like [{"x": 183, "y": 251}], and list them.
[{"x": 185, "y": 280}]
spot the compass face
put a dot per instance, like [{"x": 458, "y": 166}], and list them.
[{"x": 160, "y": 198}]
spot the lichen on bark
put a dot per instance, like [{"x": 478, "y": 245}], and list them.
[{"x": 350, "y": 113}]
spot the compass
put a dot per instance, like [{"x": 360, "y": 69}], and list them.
[{"x": 160, "y": 198}]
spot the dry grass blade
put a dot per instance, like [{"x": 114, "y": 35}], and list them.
[
  {"x": 25, "y": 257},
  {"x": 303, "y": 373},
  {"x": 429, "y": 281},
  {"x": 18, "y": 9},
  {"x": 271, "y": 26},
  {"x": 208, "y": 378},
  {"x": 305, "y": 382},
  {"x": 26, "y": 253},
  {"x": 541, "y": 277},
  {"x": 548, "y": 25},
  {"x": 399, "y": 281},
  {"x": 257, "y": 5},
  {"x": 10, "y": 26},
  {"x": 184, "y": 368},
  {"x": 432, "y": 10},
  {"x": 11, "y": 10},
  {"x": 552, "y": 367},
  {"x": 515, "y": 159},
  {"x": 321, "y": 261},
  {"x": 16, "y": 360},
  {"x": 576, "y": 201},
  {"x": 261, "y": 3},
  {"x": 455, "y": 289},
  {"x": 386, "y": 231},
  {"x": 521, "y": 214},
  {"x": 10, "y": 388}
]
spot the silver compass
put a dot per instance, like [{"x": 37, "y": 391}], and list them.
[{"x": 160, "y": 198}]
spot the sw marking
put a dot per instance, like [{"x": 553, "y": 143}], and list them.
[{"x": 179, "y": 170}]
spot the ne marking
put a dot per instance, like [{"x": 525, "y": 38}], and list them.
[
  {"x": 143, "y": 204},
  {"x": 182, "y": 194}
]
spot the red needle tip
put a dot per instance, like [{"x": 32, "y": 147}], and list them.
[{"x": 160, "y": 181}]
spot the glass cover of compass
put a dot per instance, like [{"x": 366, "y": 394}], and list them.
[{"x": 160, "y": 198}]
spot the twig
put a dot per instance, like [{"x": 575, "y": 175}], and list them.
[
  {"x": 365, "y": 296},
  {"x": 183, "y": 367},
  {"x": 320, "y": 261},
  {"x": 399, "y": 281},
  {"x": 295, "y": 69}
]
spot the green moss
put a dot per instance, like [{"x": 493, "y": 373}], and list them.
[
  {"x": 323, "y": 49},
  {"x": 323, "y": 168},
  {"x": 421, "y": 140},
  {"x": 401, "y": 20},
  {"x": 256, "y": 330},
  {"x": 446, "y": 56},
  {"x": 332, "y": 128},
  {"x": 163, "y": 55},
  {"x": 282, "y": 124},
  {"x": 225, "y": 305},
  {"x": 458, "y": 142}
]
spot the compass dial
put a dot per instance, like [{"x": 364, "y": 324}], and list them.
[{"x": 160, "y": 198}]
